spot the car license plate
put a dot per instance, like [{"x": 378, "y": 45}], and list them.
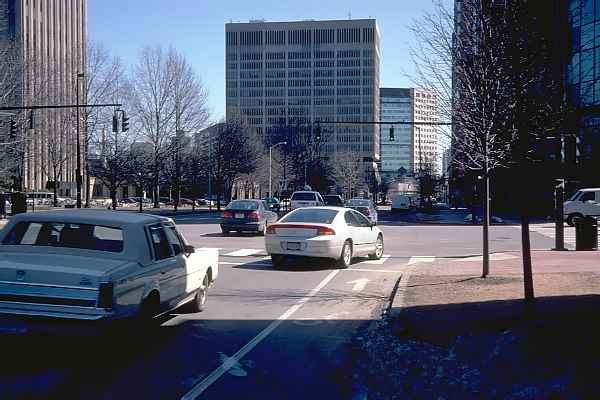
[
  {"x": 239, "y": 215},
  {"x": 293, "y": 246}
]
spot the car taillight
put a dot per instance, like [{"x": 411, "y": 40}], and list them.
[
  {"x": 226, "y": 214},
  {"x": 105, "y": 298},
  {"x": 325, "y": 231},
  {"x": 253, "y": 215}
]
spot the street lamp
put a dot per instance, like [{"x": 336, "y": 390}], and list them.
[
  {"x": 271, "y": 165},
  {"x": 78, "y": 169}
]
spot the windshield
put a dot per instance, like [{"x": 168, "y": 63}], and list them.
[
  {"x": 243, "y": 205},
  {"x": 303, "y": 196},
  {"x": 71, "y": 235},
  {"x": 315, "y": 215},
  {"x": 358, "y": 203},
  {"x": 575, "y": 195}
]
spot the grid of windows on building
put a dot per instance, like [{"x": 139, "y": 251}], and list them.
[
  {"x": 583, "y": 70},
  {"x": 306, "y": 72},
  {"x": 412, "y": 146}
]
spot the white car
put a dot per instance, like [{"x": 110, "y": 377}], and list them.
[
  {"x": 100, "y": 265},
  {"x": 306, "y": 199},
  {"x": 583, "y": 203},
  {"x": 328, "y": 232}
]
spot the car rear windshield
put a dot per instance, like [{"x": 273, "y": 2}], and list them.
[
  {"x": 303, "y": 196},
  {"x": 358, "y": 203},
  {"x": 70, "y": 235},
  {"x": 321, "y": 216},
  {"x": 244, "y": 205}
]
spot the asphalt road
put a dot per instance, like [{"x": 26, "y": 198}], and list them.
[{"x": 266, "y": 334}]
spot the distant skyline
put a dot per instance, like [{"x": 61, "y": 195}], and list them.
[{"x": 197, "y": 30}]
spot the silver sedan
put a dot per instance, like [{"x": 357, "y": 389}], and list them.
[{"x": 336, "y": 233}]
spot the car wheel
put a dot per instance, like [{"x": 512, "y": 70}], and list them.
[
  {"x": 378, "y": 249},
  {"x": 199, "y": 302},
  {"x": 262, "y": 231},
  {"x": 277, "y": 260},
  {"x": 225, "y": 231},
  {"x": 346, "y": 257},
  {"x": 572, "y": 218},
  {"x": 149, "y": 309}
]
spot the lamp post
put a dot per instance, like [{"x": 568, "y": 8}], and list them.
[
  {"x": 78, "y": 168},
  {"x": 271, "y": 165}
]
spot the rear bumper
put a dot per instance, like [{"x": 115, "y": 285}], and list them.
[
  {"x": 308, "y": 248},
  {"x": 241, "y": 226}
]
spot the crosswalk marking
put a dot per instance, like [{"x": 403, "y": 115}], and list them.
[
  {"x": 421, "y": 259},
  {"x": 548, "y": 230},
  {"x": 242, "y": 252},
  {"x": 377, "y": 262}
]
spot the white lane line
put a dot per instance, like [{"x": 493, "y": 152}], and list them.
[
  {"x": 231, "y": 361},
  {"x": 242, "y": 252},
  {"x": 421, "y": 259},
  {"x": 372, "y": 270},
  {"x": 383, "y": 259}
]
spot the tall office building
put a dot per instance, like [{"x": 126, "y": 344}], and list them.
[
  {"x": 292, "y": 74},
  {"x": 50, "y": 38},
  {"x": 413, "y": 146}
]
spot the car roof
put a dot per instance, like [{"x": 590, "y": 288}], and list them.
[
  {"x": 96, "y": 217},
  {"x": 305, "y": 191},
  {"x": 590, "y": 190}
]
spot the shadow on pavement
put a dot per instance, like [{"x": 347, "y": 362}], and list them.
[
  {"x": 291, "y": 264},
  {"x": 297, "y": 360}
]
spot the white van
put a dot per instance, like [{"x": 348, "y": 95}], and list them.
[
  {"x": 306, "y": 199},
  {"x": 400, "y": 202},
  {"x": 583, "y": 203}
]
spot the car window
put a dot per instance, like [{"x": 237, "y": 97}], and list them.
[
  {"x": 361, "y": 219},
  {"x": 575, "y": 196},
  {"x": 359, "y": 202},
  {"x": 303, "y": 196},
  {"x": 69, "y": 235},
  {"x": 160, "y": 243},
  {"x": 588, "y": 196},
  {"x": 174, "y": 239},
  {"x": 322, "y": 216},
  {"x": 245, "y": 205},
  {"x": 350, "y": 219}
]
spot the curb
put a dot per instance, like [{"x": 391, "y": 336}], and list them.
[{"x": 388, "y": 304}]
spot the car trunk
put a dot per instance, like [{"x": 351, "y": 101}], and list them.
[
  {"x": 54, "y": 269},
  {"x": 298, "y": 230}
]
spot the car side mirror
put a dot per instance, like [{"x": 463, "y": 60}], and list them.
[{"x": 189, "y": 249}]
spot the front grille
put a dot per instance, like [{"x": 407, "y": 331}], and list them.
[{"x": 18, "y": 298}]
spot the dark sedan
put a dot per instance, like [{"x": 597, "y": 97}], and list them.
[
  {"x": 333, "y": 200},
  {"x": 273, "y": 204},
  {"x": 246, "y": 215}
]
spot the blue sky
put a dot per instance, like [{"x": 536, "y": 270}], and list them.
[{"x": 197, "y": 29}]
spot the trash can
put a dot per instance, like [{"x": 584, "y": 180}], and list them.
[
  {"x": 18, "y": 203},
  {"x": 586, "y": 234}
]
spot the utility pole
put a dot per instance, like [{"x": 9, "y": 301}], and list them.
[{"x": 78, "y": 178}]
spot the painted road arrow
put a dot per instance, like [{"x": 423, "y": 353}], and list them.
[{"x": 359, "y": 284}]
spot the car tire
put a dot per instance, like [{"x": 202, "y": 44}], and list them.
[
  {"x": 277, "y": 260},
  {"x": 198, "y": 304},
  {"x": 378, "y": 249},
  {"x": 572, "y": 217},
  {"x": 345, "y": 259},
  {"x": 225, "y": 231},
  {"x": 149, "y": 309}
]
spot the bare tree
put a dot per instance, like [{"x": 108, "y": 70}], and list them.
[
  {"x": 235, "y": 149},
  {"x": 104, "y": 82},
  {"x": 348, "y": 171},
  {"x": 488, "y": 70}
]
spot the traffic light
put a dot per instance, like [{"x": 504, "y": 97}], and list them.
[
  {"x": 115, "y": 124},
  {"x": 13, "y": 129},
  {"x": 318, "y": 134},
  {"x": 124, "y": 122}
]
